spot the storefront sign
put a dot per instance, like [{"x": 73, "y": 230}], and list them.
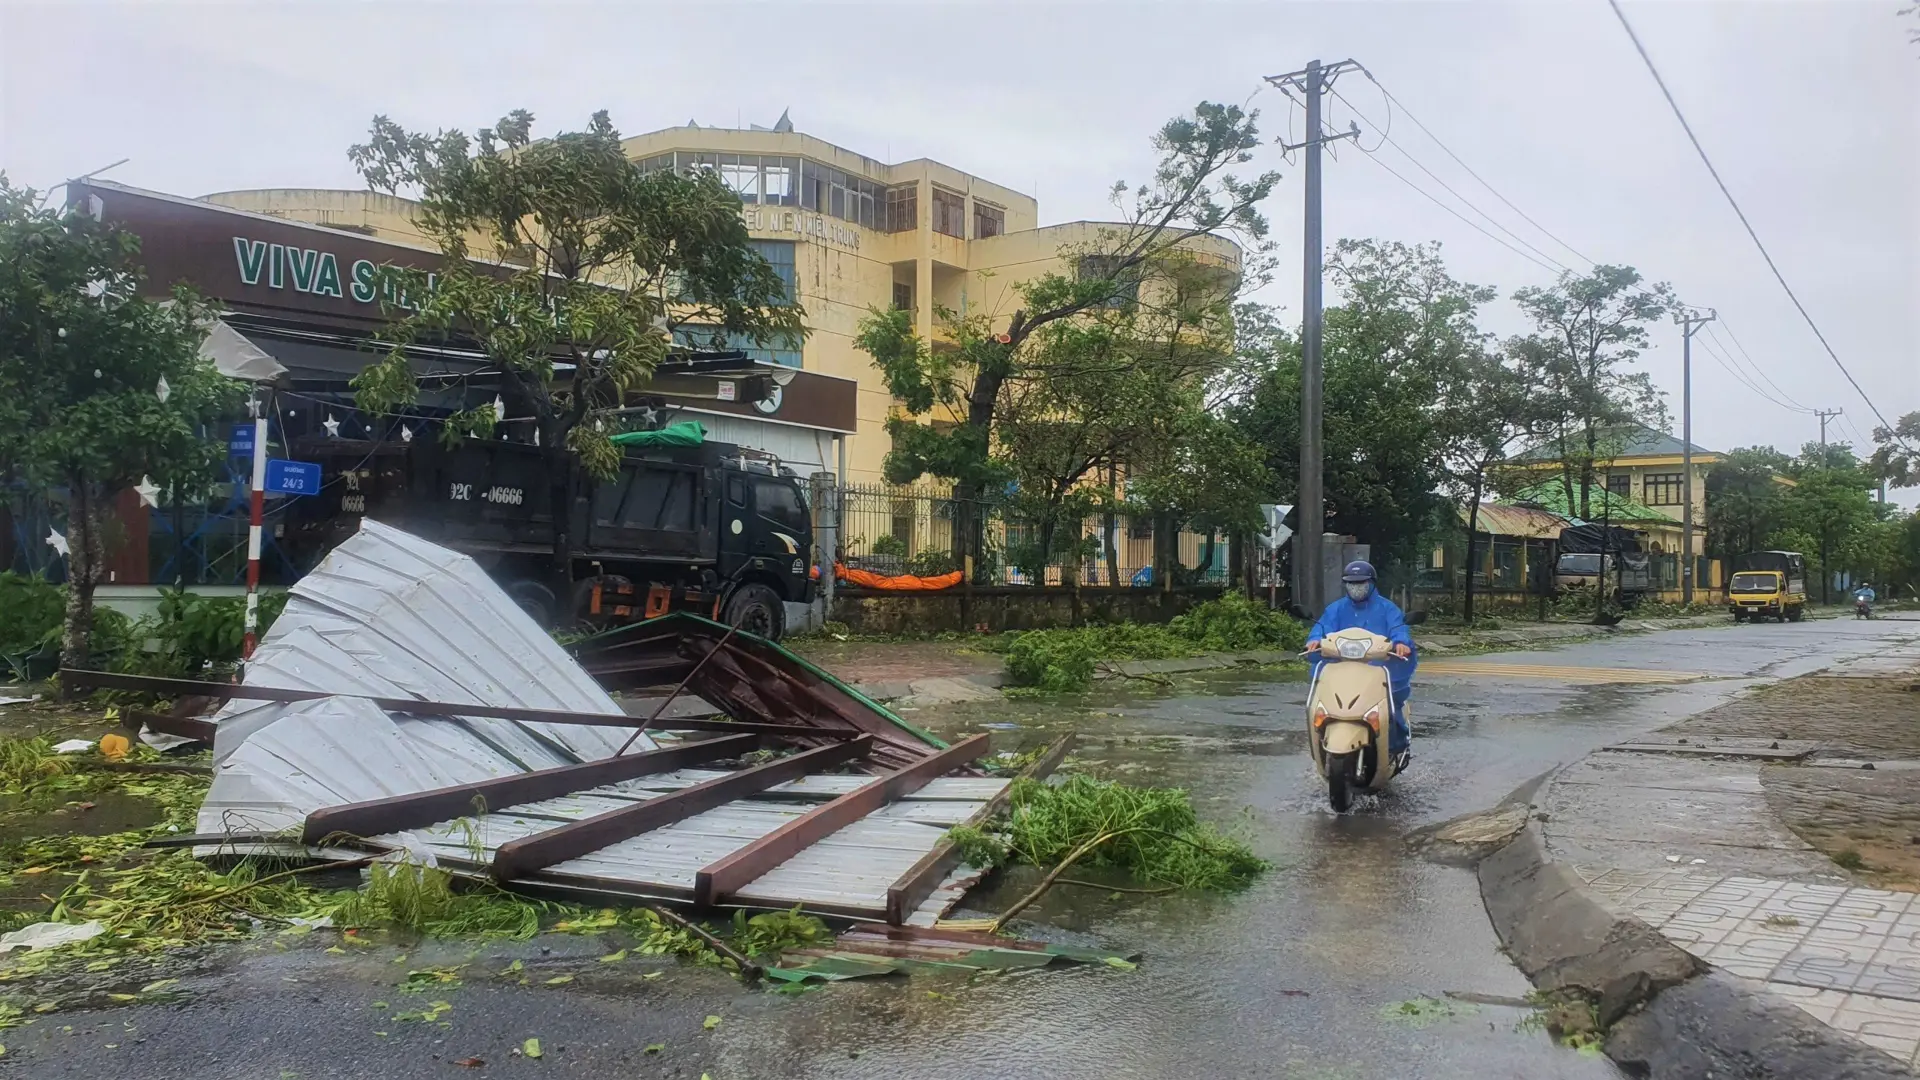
[{"x": 264, "y": 264}]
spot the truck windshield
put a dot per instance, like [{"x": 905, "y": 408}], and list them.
[
  {"x": 1753, "y": 583},
  {"x": 1579, "y": 564},
  {"x": 779, "y": 502}
]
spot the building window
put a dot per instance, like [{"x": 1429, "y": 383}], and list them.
[
  {"x": 949, "y": 213},
  {"x": 902, "y": 296},
  {"x": 836, "y": 194},
  {"x": 1620, "y": 484},
  {"x": 1663, "y": 489},
  {"x": 779, "y": 255},
  {"x": 988, "y": 220},
  {"x": 903, "y": 208},
  {"x": 1125, "y": 284},
  {"x": 742, "y": 177},
  {"x": 713, "y": 339}
]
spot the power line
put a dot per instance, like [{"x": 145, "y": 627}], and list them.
[
  {"x": 1435, "y": 199},
  {"x": 1732, "y": 367},
  {"x": 1396, "y": 102},
  {"x": 1741, "y": 214},
  {"x": 1753, "y": 364},
  {"x": 1389, "y": 140}
]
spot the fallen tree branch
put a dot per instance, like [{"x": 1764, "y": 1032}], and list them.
[{"x": 1118, "y": 889}]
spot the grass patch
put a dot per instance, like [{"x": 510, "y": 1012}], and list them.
[
  {"x": 1850, "y": 859},
  {"x": 1424, "y": 1012}
]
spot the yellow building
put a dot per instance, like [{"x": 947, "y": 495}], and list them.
[
  {"x": 1648, "y": 470},
  {"x": 851, "y": 233}
]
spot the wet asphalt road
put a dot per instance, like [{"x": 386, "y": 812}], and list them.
[{"x": 1302, "y": 977}]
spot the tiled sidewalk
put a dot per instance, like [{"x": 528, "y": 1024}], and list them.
[{"x": 1850, "y": 957}]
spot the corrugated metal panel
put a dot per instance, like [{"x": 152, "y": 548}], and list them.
[
  {"x": 387, "y": 615},
  {"x": 1496, "y": 519}
]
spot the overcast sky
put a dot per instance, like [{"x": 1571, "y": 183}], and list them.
[{"x": 1811, "y": 110}]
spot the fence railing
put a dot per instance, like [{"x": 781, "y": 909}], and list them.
[{"x": 920, "y": 530}]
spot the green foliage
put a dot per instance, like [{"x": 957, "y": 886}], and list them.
[
  {"x": 1896, "y": 454},
  {"x": 26, "y": 762},
  {"x": 86, "y": 356},
  {"x": 30, "y": 610},
  {"x": 771, "y": 933},
  {"x": 889, "y": 544},
  {"x": 424, "y": 899},
  {"x": 1399, "y": 351},
  {"x": 1066, "y": 660},
  {"x": 194, "y": 634},
  {"x": 606, "y": 267},
  {"x": 1236, "y": 623},
  {"x": 1150, "y": 833}
]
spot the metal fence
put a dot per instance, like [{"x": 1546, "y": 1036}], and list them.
[{"x": 917, "y": 530}]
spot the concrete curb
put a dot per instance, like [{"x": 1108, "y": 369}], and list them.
[{"x": 1668, "y": 1015}]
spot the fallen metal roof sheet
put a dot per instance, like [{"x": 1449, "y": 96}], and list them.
[{"x": 389, "y": 619}]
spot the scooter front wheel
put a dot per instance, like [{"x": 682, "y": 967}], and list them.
[{"x": 1340, "y": 781}]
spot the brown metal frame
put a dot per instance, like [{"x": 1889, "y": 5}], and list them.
[
  {"x": 905, "y": 895},
  {"x": 528, "y": 854},
  {"x": 108, "y": 680},
  {"x": 377, "y": 817},
  {"x": 739, "y": 868},
  {"x": 186, "y": 727}
]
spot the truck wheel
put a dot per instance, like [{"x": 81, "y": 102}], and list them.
[
  {"x": 1793, "y": 614},
  {"x": 535, "y": 599},
  {"x": 757, "y": 610}
]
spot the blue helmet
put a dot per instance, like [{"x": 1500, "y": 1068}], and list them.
[{"x": 1358, "y": 570}]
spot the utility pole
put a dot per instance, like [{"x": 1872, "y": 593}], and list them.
[
  {"x": 1826, "y": 415},
  {"x": 1310, "y": 502},
  {"x": 1689, "y": 324}
]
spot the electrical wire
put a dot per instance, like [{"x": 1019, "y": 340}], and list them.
[
  {"x": 1732, "y": 367},
  {"x": 1435, "y": 199},
  {"x": 1753, "y": 235},
  {"x": 1394, "y": 101},
  {"x": 1720, "y": 325},
  {"x": 1418, "y": 164}
]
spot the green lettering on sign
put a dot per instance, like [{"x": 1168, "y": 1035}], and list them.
[
  {"x": 252, "y": 257},
  {"x": 327, "y": 283},
  {"x": 364, "y": 289}
]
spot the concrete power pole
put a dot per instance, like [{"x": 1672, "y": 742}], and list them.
[
  {"x": 1826, "y": 415},
  {"x": 1310, "y": 502},
  {"x": 1689, "y": 324}
]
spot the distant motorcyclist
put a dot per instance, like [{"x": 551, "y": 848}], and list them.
[
  {"x": 1863, "y": 598},
  {"x": 1364, "y": 607}
]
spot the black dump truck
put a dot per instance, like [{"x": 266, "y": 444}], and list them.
[
  {"x": 706, "y": 528},
  {"x": 1593, "y": 553}
]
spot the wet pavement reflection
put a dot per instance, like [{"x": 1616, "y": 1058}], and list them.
[{"x": 1308, "y": 974}]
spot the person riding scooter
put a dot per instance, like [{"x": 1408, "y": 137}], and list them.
[
  {"x": 1863, "y": 598},
  {"x": 1364, "y": 607}
]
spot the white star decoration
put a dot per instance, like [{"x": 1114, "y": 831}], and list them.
[
  {"x": 148, "y": 491},
  {"x": 163, "y": 391},
  {"x": 499, "y": 410},
  {"x": 332, "y": 426},
  {"x": 57, "y": 542},
  {"x": 406, "y": 434}
]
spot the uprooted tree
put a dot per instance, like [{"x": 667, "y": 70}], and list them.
[
  {"x": 995, "y": 361},
  {"x": 101, "y": 390},
  {"x": 594, "y": 267}
]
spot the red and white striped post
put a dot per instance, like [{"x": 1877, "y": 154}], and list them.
[{"x": 253, "y": 529}]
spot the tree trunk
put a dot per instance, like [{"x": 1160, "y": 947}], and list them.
[
  {"x": 1108, "y": 523},
  {"x": 85, "y": 555},
  {"x": 562, "y": 476},
  {"x": 1473, "y": 528}
]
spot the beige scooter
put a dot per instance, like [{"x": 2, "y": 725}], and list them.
[{"x": 1349, "y": 714}]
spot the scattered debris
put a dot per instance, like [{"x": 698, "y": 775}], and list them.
[
  {"x": 51, "y": 935},
  {"x": 73, "y": 746}
]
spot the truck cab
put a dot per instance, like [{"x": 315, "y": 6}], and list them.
[
  {"x": 710, "y": 528},
  {"x": 1768, "y": 585}
]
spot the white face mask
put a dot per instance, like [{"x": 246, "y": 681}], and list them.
[{"x": 1358, "y": 591}]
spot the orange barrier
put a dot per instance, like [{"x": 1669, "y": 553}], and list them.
[{"x": 867, "y": 579}]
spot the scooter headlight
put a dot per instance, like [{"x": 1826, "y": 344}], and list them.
[
  {"x": 1352, "y": 649},
  {"x": 1319, "y": 715}
]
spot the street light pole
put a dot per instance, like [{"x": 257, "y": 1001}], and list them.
[
  {"x": 1310, "y": 504},
  {"x": 1689, "y": 324}
]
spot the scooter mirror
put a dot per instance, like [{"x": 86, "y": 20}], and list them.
[{"x": 1416, "y": 618}]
